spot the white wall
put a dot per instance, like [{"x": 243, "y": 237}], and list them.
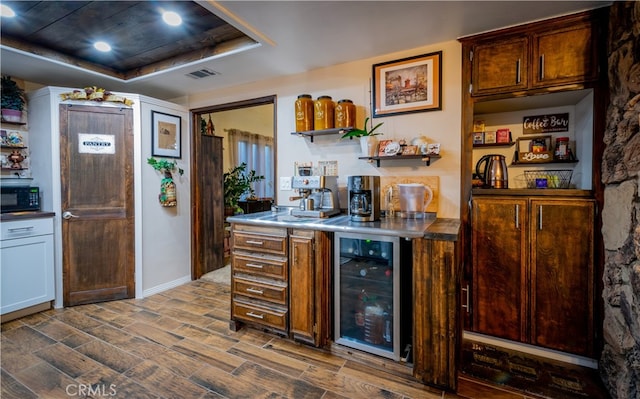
[
  {"x": 165, "y": 236},
  {"x": 352, "y": 81}
]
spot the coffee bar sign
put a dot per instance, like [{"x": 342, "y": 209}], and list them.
[{"x": 551, "y": 123}]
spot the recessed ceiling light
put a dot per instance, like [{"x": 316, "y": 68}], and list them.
[
  {"x": 6, "y": 11},
  {"x": 102, "y": 46},
  {"x": 171, "y": 18}
]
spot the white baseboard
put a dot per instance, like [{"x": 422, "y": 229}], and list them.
[
  {"x": 533, "y": 350},
  {"x": 166, "y": 286}
]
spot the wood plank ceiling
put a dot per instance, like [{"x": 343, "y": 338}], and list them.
[{"x": 142, "y": 43}]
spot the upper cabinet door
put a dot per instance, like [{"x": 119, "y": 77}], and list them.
[
  {"x": 500, "y": 66},
  {"x": 563, "y": 56}
]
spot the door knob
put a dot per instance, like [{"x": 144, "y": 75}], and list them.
[{"x": 68, "y": 215}]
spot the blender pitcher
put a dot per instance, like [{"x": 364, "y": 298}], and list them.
[{"x": 413, "y": 201}]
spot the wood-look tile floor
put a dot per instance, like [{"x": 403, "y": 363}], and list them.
[{"x": 177, "y": 344}]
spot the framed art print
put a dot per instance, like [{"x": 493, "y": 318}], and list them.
[
  {"x": 165, "y": 135},
  {"x": 407, "y": 85}
]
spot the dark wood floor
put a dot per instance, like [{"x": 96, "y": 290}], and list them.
[{"x": 177, "y": 344}]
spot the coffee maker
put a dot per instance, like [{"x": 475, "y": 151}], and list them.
[
  {"x": 318, "y": 196},
  {"x": 363, "y": 193}
]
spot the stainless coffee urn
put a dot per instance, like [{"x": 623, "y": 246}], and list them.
[{"x": 363, "y": 193}]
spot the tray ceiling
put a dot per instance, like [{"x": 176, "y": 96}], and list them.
[{"x": 142, "y": 43}]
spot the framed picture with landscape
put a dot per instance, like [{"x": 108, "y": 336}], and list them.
[
  {"x": 411, "y": 84},
  {"x": 165, "y": 135}
]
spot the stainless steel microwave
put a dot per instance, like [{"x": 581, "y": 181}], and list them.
[{"x": 18, "y": 199}]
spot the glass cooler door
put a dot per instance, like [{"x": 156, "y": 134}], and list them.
[{"x": 367, "y": 279}]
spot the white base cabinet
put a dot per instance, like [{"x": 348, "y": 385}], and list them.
[{"x": 27, "y": 268}]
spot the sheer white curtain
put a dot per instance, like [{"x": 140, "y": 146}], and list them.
[{"x": 257, "y": 151}]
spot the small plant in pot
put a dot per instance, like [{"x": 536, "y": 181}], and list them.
[
  {"x": 238, "y": 184},
  {"x": 368, "y": 141},
  {"x": 167, "y": 196},
  {"x": 12, "y": 100}
]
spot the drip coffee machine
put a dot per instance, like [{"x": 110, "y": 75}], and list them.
[
  {"x": 318, "y": 196},
  {"x": 363, "y": 193}
]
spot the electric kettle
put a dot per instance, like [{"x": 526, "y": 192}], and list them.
[{"x": 492, "y": 170}]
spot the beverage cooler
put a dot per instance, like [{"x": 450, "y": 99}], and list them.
[{"x": 372, "y": 307}]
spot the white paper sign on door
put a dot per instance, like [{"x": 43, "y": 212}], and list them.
[{"x": 89, "y": 143}]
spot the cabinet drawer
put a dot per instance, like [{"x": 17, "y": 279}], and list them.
[
  {"x": 261, "y": 243},
  {"x": 272, "y": 317},
  {"x": 260, "y": 266},
  {"x": 260, "y": 290},
  {"x": 26, "y": 228}
]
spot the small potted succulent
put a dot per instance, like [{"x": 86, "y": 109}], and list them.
[
  {"x": 12, "y": 100},
  {"x": 368, "y": 141}
]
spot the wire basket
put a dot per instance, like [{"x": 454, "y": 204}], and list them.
[{"x": 548, "y": 178}]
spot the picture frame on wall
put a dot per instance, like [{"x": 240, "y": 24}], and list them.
[
  {"x": 407, "y": 85},
  {"x": 166, "y": 135}
]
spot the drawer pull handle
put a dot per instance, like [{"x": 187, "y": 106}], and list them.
[
  {"x": 254, "y": 265},
  {"x": 252, "y": 242},
  {"x": 257, "y": 316},
  {"x": 255, "y": 291},
  {"x": 17, "y": 229}
]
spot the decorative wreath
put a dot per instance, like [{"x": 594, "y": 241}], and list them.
[{"x": 94, "y": 93}]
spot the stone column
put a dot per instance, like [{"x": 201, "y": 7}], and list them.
[{"x": 620, "y": 361}]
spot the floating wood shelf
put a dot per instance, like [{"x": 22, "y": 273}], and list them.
[
  {"x": 312, "y": 133},
  {"x": 516, "y": 163},
  {"x": 509, "y": 144},
  {"x": 425, "y": 158}
]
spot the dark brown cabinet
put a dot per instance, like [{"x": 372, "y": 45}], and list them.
[
  {"x": 564, "y": 55},
  {"x": 500, "y": 66},
  {"x": 281, "y": 282},
  {"x": 551, "y": 53},
  {"x": 260, "y": 277},
  {"x": 533, "y": 267},
  {"x": 500, "y": 263}
]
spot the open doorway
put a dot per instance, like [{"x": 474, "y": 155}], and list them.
[{"x": 225, "y": 136}]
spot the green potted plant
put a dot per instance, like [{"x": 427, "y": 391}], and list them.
[
  {"x": 368, "y": 141},
  {"x": 12, "y": 100},
  {"x": 167, "y": 196},
  {"x": 238, "y": 184}
]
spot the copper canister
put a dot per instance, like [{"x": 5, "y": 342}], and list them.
[
  {"x": 324, "y": 109},
  {"x": 304, "y": 113},
  {"x": 345, "y": 114}
]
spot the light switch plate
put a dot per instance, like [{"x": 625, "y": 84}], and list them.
[{"x": 285, "y": 183}]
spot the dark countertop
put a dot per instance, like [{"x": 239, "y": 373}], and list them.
[
  {"x": 9, "y": 216},
  {"x": 430, "y": 227}
]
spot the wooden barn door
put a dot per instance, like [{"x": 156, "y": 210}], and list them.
[{"x": 96, "y": 162}]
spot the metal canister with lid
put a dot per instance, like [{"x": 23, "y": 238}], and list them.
[
  {"x": 323, "y": 113},
  {"x": 345, "y": 114},
  {"x": 304, "y": 113}
]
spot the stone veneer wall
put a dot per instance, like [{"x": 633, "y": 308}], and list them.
[{"x": 620, "y": 361}]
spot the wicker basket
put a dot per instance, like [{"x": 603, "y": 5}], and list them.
[{"x": 548, "y": 178}]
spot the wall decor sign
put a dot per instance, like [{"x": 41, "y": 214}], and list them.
[
  {"x": 551, "y": 123},
  {"x": 89, "y": 143},
  {"x": 412, "y": 84},
  {"x": 165, "y": 135}
]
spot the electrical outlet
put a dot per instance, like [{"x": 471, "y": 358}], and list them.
[{"x": 285, "y": 183}]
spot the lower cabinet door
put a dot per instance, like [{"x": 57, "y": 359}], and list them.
[
  {"x": 301, "y": 282},
  {"x": 499, "y": 268},
  {"x": 562, "y": 270},
  {"x": 27, "y": 272}
]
